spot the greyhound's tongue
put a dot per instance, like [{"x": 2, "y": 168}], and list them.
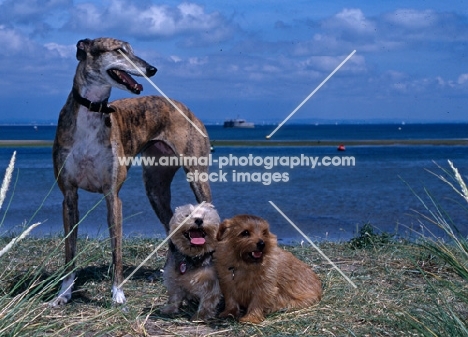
[{"x": 196, "y": 237}]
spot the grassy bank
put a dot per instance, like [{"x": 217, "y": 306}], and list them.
[
  {"x": 273, "y": 143},
  {"x": 397, "y": 281}
]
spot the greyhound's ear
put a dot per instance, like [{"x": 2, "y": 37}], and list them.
[{"x": 81, "y": 48}]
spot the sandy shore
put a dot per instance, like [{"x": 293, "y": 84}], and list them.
[
  {"x": 214, "y": 142},
  {"x": 25, "y": 143}
]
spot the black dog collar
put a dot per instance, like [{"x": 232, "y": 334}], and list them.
[{"x": 102, "y": 107}]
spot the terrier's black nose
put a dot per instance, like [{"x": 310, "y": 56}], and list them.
[
  {"x": 260, "y": 244},
  {"x": 198, "y": 221},
  {"x": 150, "y": 71}
]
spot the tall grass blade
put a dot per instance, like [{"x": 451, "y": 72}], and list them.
[
  {"x": 7, "y": 179},
  {"x": 19, "y": 238}
]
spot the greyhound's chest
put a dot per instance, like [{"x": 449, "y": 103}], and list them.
[{"x": 91, "y": 163}]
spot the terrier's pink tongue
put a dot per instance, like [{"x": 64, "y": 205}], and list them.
[{"x": 197, "y": 241}]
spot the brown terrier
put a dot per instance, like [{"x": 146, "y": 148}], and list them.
[
  {"x": 189, "y": 272},
  {"x": 256, "y": 275}
]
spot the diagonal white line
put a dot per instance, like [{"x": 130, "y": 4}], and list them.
[
  {"x": 162, "y": 93},
  {"x": 311, "y": 94},
  {"x": 313, "y": 245},
  {"x": 160, "y": 245}
]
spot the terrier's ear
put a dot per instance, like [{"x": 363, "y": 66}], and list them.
[
  {"x": 223, "y": 226},
  {"x": 82, "y": 48}
]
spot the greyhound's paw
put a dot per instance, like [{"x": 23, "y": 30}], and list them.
[
  {"x": 118, "y": 295},
  {"x": 65, "y": 293},
  {"x": 59, "y": 301}
]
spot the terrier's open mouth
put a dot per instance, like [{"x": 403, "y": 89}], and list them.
[
  {"x": 124, "y": 78},
  {"x": 256, "y": 254},
  {"x": 196, "y": 236}
]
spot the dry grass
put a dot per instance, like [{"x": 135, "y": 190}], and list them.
[{"x": 392, "y": 279}]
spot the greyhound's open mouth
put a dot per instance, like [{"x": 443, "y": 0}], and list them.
[{"x": 124, "y": 78}]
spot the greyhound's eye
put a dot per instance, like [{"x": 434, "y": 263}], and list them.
[
  {"x": 245, "y": 233},
  {"x": 97, "y": 52}
]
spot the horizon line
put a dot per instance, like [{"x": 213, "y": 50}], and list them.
[{"x": 272, "y": 123}]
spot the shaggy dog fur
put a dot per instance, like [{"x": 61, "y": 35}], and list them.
[
  {"x": 256, "y": 276},
  {"x": 189, "y": 272}
]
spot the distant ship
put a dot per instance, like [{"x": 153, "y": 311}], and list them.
[{"x": 238, "y": 123}]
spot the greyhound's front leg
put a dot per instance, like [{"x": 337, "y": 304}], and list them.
[
  {"x": 114, "y": 220},
  {"x": 70, "y": 225}
]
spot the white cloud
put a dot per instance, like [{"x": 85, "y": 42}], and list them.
[
  {"x": 462, "y": 79},
  {"x": 65, "y": 51},
  {"x": 153, "y": 21},
  {"x": 412, "y": 18},
  {"x": 351, "y": 21},
  {"x": 28, "y": 66},
  {"x": 13, "y": 42},
  {"x": 30, "y": 11},
  {"x": 328, "y": 63},
  {"x": 176, "y": 58},
  {"x": 197, "y": 61},
  {"x": 354, "y": 19},
  {"x": 401, "y": 29}
]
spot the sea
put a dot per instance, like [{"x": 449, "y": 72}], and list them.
[{"x": 396, "y": 188}]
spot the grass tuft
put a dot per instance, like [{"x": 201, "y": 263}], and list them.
[
  {"x": 368, "y": 238},
  {"x": 448, "y": 295}
]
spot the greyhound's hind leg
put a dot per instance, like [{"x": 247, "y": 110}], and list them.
[
  {"x": 200, "y": 187},
  {"x": 158, "y": 179}
]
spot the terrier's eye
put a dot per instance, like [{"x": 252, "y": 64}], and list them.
[
  {"x": 245, "y": 233},
  {"x": 265, "y": 232}
]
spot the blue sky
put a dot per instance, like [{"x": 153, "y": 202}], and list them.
[{"x": 253, "y": 59}]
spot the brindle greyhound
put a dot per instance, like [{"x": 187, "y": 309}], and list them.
[{"x": 92, "y": 135}]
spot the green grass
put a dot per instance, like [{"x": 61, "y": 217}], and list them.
[{"x": 450, "y": 316}]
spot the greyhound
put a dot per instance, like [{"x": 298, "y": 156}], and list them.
[{"x": 92, "y": 135}]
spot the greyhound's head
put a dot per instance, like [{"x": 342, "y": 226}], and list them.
[{"x": 104, "y": 63}]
